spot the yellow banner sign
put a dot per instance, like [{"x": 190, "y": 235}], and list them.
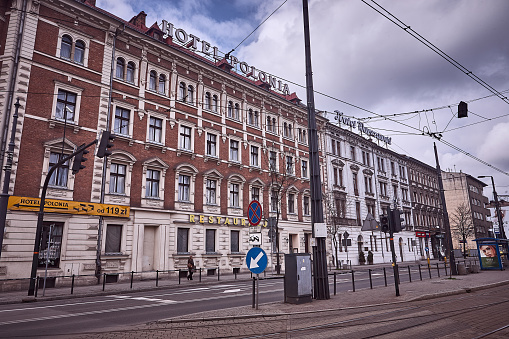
[{"x": 66, "y": 206}]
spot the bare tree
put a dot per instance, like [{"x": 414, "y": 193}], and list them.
[
  {"x": 462, "y": 224},
  {"x": 281, "y": 178},
  {"x": 333, "y": 227}
]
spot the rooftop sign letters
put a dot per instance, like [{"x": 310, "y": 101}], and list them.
[
  {"x": 66, "y": 206},
  {"x": 352, "y": 123},
  {"x": 193, "y": 42}
]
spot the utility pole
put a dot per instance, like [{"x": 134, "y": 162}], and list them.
[
  {"x": 321, "y": 283},
  {"x": 448, "y": 236},
  {"x": 4, "y": 197},
  {"x": 501, "y": 235}
]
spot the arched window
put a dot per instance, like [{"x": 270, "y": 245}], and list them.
[
  {"x": 214, "y": 103},
  {"x": 207, "y": 100},
  {"x": 285, "y": 129},
  {"x": 250, "y": 117},
  {"x": 65, "y": 47},
  {"x": 152, "y": 81},
  {"x": 237, "y": 112},
  {"x": 255, "y": 118},
  {"x": 130, "y": 72},
  {"x": 360, "y": 242},
  {"x": 289, "y": 130},
  {"x": 79, "y": 52},
  {"x": 269, "y": 124},
  {"x": 182, "y": 91},
  {"x": 274, "y": 125},
  {"x": 162, "y": 83},
  {"x": 119, "y": 73},
  {"x": 230, "y": 109},
  {"x": 190, "y": 94}
]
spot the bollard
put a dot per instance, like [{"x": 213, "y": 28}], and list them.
[
  {"x": 445, "y": 268},
  {"x": 438, "y": 271},
  {"x": 353, "y": 282},
  {"x": 132, "y": 277},
  {"x": 370, "y": 281},
  {"x": 385, "y": 277},
  {"x": 104, "y": 280},
  {"x": 335, "y": 273},
  {"x": 179, "y": 276},
  {"x": 72, "y": 284},
  {"x": 235, "y": 274},
  {"x": 429, "y": 271},
  {"x": 409, "y": 274},
  {"x": 200, "y": 274},
  {"x": 420, "y": 273},
  {"x": 157, "y": 278},
  {"x": 254, "y": 287},
  {"x": 217, "y": 273}
]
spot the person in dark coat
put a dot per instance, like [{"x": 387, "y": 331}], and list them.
[{"x": 190, "y": 268}]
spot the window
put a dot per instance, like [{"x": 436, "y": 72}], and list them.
[
  {"x": 214, "y": 103},
  {"x": 358, "y": 212},
  {"x": 121, "y": 125},
  {"x": 185, "y": 138},
  {"x": 383, "y": 189},
  {"x": 117, "y": 178},
  {"x": 255, "y": 193},
  {"x": 190, "y": 94},
  {"x": 304, "y": 168},
  {"x": 113, "y": 239},
  {"x": 60, "y": 175},
  {"x": 368, "y": 183},
  {"x": 152, "y": 81},
  {"x": 152, "y": 187},
  {"x": 65, "y": 47},
  {"x": 352, "y": 152},
  {"x": 254, "y": 156},
  {"x": 207, "y": 100},
  {"x": 381, "y": 164},
  {"x": 182, "y": 92},
  {"x": 289, "y": 164},
  {"x": 393, "y": 172},
  {"x": 256, "y": 118},
  {"x": 210, "y": 241},
  {"x": 130, "y": 72},
  {"x": 234, "y": 195},
  {"x": 365, "y": 158},
  {"x": 269, "y": 124},
  {"x": 184, "y": 186},
  {"x": 234, "y": 241},
  {"x": 211, "y": 192},
  {"x": 274, "y": 201},
  {"x": 237, "y": 112},
  {"x": 155, "y": 129},
  {"x": 66, "y": 105},
  {"x": 211, "y": 145},
  {"x": 234, "y": 150},
  {"x": 306, "y": 205},
  {"x": 50, "y": 245},
  {"x": 182, "y": 240},
  {"x": 250, "y": 117},
  {"x": 338, "y": 176},
  {"x": 395, "y": 191},
  {"x": 162, "y": 84},
  {"x": 291, "y": 203},
  {"x": 230, "y": 109},
  {"x": 355, "y": 184},
  {"x": 79, "y": 52},
  {"x": 273, "y": 161},
  {"x": 119, "y": 72}
]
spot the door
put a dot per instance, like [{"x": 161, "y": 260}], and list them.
[{"x": 149, "y": 247}]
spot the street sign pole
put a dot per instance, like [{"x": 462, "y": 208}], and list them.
[{"x": 257, "y": 289}]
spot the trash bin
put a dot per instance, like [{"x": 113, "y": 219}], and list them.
[{"x": 462, "y": 270}]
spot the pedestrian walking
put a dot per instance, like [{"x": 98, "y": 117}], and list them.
[{"x": 190, "y": 268}]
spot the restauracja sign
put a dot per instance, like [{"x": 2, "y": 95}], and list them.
[{"x": 192, "y": 42}]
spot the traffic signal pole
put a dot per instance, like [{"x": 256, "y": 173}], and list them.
[
  {"x": 40, "y": 215},
  {"x": 393, "y": 251}
]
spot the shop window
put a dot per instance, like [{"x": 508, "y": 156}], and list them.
[
  {"x": 50, "y": 244},
  {"x": 113, "y": 239}
]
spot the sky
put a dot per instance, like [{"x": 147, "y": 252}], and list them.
[{"x": 366, "y": 66}]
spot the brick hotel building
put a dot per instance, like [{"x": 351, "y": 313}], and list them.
[{"x": 194, "y": 137}]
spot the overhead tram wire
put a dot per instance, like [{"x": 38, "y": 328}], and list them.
[
  {"x": 435, "y": 49},
  {"x": 254, "y": 30}
]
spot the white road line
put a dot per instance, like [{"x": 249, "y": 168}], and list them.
[
  {"x": 231, "y": 291},
  {"x": 54, "y": 306}
]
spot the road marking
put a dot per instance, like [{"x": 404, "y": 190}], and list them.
[
  {"x": 54, "y": 306},
  {"x": 231, "y": 291}
]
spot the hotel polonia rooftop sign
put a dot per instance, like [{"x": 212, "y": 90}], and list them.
[{"x": 194, "y": 43}]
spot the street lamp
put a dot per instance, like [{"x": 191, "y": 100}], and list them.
[{"x": 497, "y": 207}]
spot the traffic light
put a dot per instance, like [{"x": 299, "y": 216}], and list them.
[
  {"x": 462, "y": 110},
  {"x": 384, "y": 221},
  {"x": 397, "y": 221},
  {"x": 79, "y": 159},
  {"x": 104, "y": 144}
]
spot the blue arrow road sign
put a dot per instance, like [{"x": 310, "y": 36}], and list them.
[{"x": 256, "y": 260}]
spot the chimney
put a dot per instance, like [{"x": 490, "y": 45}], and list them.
[{"x": 139, "y": 20}]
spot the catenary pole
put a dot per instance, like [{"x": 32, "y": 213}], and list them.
[
  {"x": 321, "y": 284},
  {"x": 448, "y": 236}
]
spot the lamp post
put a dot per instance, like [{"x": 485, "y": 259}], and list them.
[{"x": 497, "y": 208}]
